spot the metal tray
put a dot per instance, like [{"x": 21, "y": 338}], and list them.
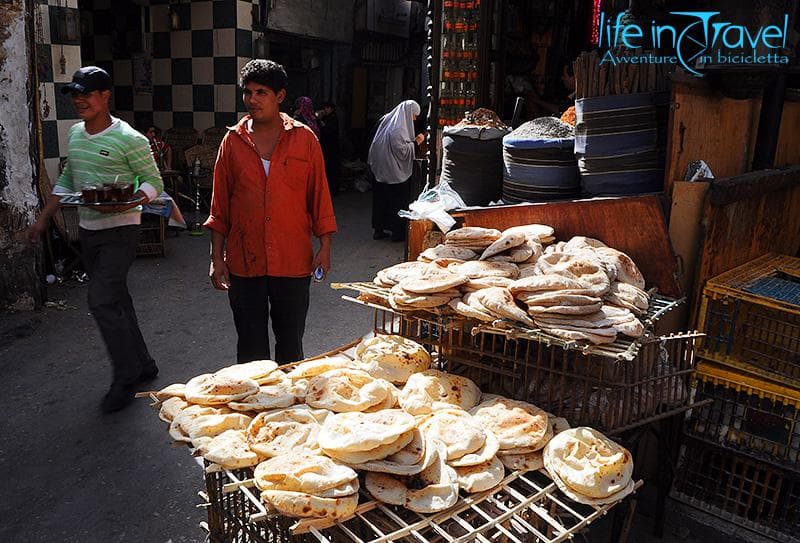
[{"x": 77, "y": 200}]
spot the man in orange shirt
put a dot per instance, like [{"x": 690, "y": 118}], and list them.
[{"x": 270, "y": 195}]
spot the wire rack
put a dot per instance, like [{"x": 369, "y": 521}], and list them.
[
  {"x": 525, "y": 507},
  {"x": 623, "y": 348}
]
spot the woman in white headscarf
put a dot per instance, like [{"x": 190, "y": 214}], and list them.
[{"x": 391, "y": 158}]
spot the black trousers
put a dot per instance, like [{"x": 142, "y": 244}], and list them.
[
  {"x": 254, "y": 300},
  {"x": 387, "y": 200},
  {"x": 108, "y": 255}
]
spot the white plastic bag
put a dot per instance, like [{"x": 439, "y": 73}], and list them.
[{"x": 433, "y": 204}]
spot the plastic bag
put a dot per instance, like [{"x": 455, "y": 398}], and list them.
[{"x": 433, "y": 204}]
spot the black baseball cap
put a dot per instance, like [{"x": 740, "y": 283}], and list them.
[{"x": 88, "y": 79}]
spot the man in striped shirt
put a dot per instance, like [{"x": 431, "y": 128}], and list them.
[{"x": 102, "y": 150}]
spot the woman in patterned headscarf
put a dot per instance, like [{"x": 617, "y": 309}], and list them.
[
  {"x": 391, "y": 159},
  {"x": 304, "y": 112}
]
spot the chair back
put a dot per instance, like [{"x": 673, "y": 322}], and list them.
[
  {"x": 207, "y": 155},
  {"x": 213, "y": 136},
  {"x": 180, "y": 138}
]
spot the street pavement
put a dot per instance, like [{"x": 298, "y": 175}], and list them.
[{"x": 74, "y": 475}]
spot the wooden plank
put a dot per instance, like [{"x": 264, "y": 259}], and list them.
[
  {"x": 634, "y": 225},
  {"x": 788, "y": 151},
  {"x": 742, "y": 224},
  {"x": 707, "y": 126}
]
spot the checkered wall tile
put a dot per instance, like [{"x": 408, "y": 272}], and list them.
[{"x": 194, "y": 68}]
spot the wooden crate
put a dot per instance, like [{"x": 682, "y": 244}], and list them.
[{"x": 751, "y": 318}]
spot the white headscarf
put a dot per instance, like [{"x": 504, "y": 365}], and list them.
[{"x": 391, "y": 155}]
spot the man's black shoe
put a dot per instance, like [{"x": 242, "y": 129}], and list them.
[
  {"x": 149, "y": 373},
  {"x": 380, "y": 234},
  {"x": 117, "y": 398}
]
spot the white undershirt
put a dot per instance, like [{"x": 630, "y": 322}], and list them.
[{"x": 265, "y": 162}]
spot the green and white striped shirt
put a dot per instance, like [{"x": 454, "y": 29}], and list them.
[{"x": 118, "y": 153}]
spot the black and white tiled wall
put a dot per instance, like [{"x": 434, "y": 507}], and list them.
[{"x": 184, "y": 76}]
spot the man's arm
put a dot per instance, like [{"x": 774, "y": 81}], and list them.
[
  {"x": 323, "y": 256},
  {"x": 37, "y": 228},
  {"x": 218, "y": 271}
]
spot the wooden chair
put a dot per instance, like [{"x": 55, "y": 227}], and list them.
[
  {"x": 205, "y": 181},
  {"x": 180, "y": 138},
  {"x": 213, "y": 136}
]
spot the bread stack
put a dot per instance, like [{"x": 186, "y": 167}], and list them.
[
  {"x": 431, "y": 287},
  {"x": 578, "y": 290},
  {"x": 307, "y": 485},
  {"x": 588, "y": 467},
  {"x": 416, "y": 447},
  {"x": 470, "y": 449},
  {"x": 430, "y": 390},
  {"x": 522, "y": 430}
]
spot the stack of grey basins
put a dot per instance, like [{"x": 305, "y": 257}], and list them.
[{"x": 539, "y": 162}]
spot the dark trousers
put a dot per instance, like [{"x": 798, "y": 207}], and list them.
[
  {"x": 254, "y": 300},
  {"x": 387, "y": 200},
  {"x": 108, "y": 255}
]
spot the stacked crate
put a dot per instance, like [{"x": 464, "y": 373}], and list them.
[{"x": 741, "y": 453}]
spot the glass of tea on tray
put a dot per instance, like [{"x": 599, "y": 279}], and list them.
[
  {"x": 89, "y": 194},
  {"x": 104, "y": 194}
]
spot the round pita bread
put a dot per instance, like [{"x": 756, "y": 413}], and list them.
[
  {"x": 302, "y": 472},
  {"x": 349, "y": 432},
  {"x": 480, "y": 268},
  {"x": 302, "y": 505},
  {"x": 392, "y": 357},
  {"x": 378, "y": 453},
  {"x": 345, "y": 390},
  {"x": 472, "y": 233},
  {"x": 523, "y": 253},
  {"x": 312, "y": 368},
  {"x": 505, "y": 242},
  {"x": 629, "y": 297},
  {"x": 219, "y": 388},
  {"x": 480, "y": 477},
  {"x": 596, "y": 336},
  {"x": 433, "y": 489},
  {"x": 471, "y": 312},
  {"x": 398, "y": 272},
  {"x": 176, "y": 429},
  {"x": 491, "y": 447},
  {"x": 175, "y": 390},
  {"x": 213, "y": 425},
  {"x": 447, "y": 251},
  {"x": 230, "y": 450},
  {"x": 276, "y": 432},
  {"x": 430, "y": 390},
  {"x": 514, "y": 423},
  {"x": 500, "y": 302},
  {"x": 432, "y": 280},
  {"x": 536, "y": 310},
  {"x": 486, "y": 282},
  {"x": 589, "y": 463},
  {"x": 455, "y": 429},
  {"x": 254, "y": 370},
  {"x": 171, "y": 407},
  {"x": 523, "y": 462},
  {"x": 627, "y": 271},
  {"x": 268, "y": 397},
  {"x": 535, "y": 232},
  {"x": 420, "y": 452}
]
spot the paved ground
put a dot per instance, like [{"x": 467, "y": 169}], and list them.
[{"x": 74, "y": 475}]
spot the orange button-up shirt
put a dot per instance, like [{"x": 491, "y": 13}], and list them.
[{"x": 268, "y": 221}]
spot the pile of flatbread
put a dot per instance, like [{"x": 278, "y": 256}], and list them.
[
  {"x": 588, "y": 467},
  {"x": 578, "y": 290},
  {"x": 317, "y": 431}
]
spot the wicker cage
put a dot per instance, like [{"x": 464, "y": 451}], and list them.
[
  {"x": 610, "y": 394},
  {"x": 751, "y": 318},
  {"x": 747, "y": 415},
  {"x": 752, "y": 494}
]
